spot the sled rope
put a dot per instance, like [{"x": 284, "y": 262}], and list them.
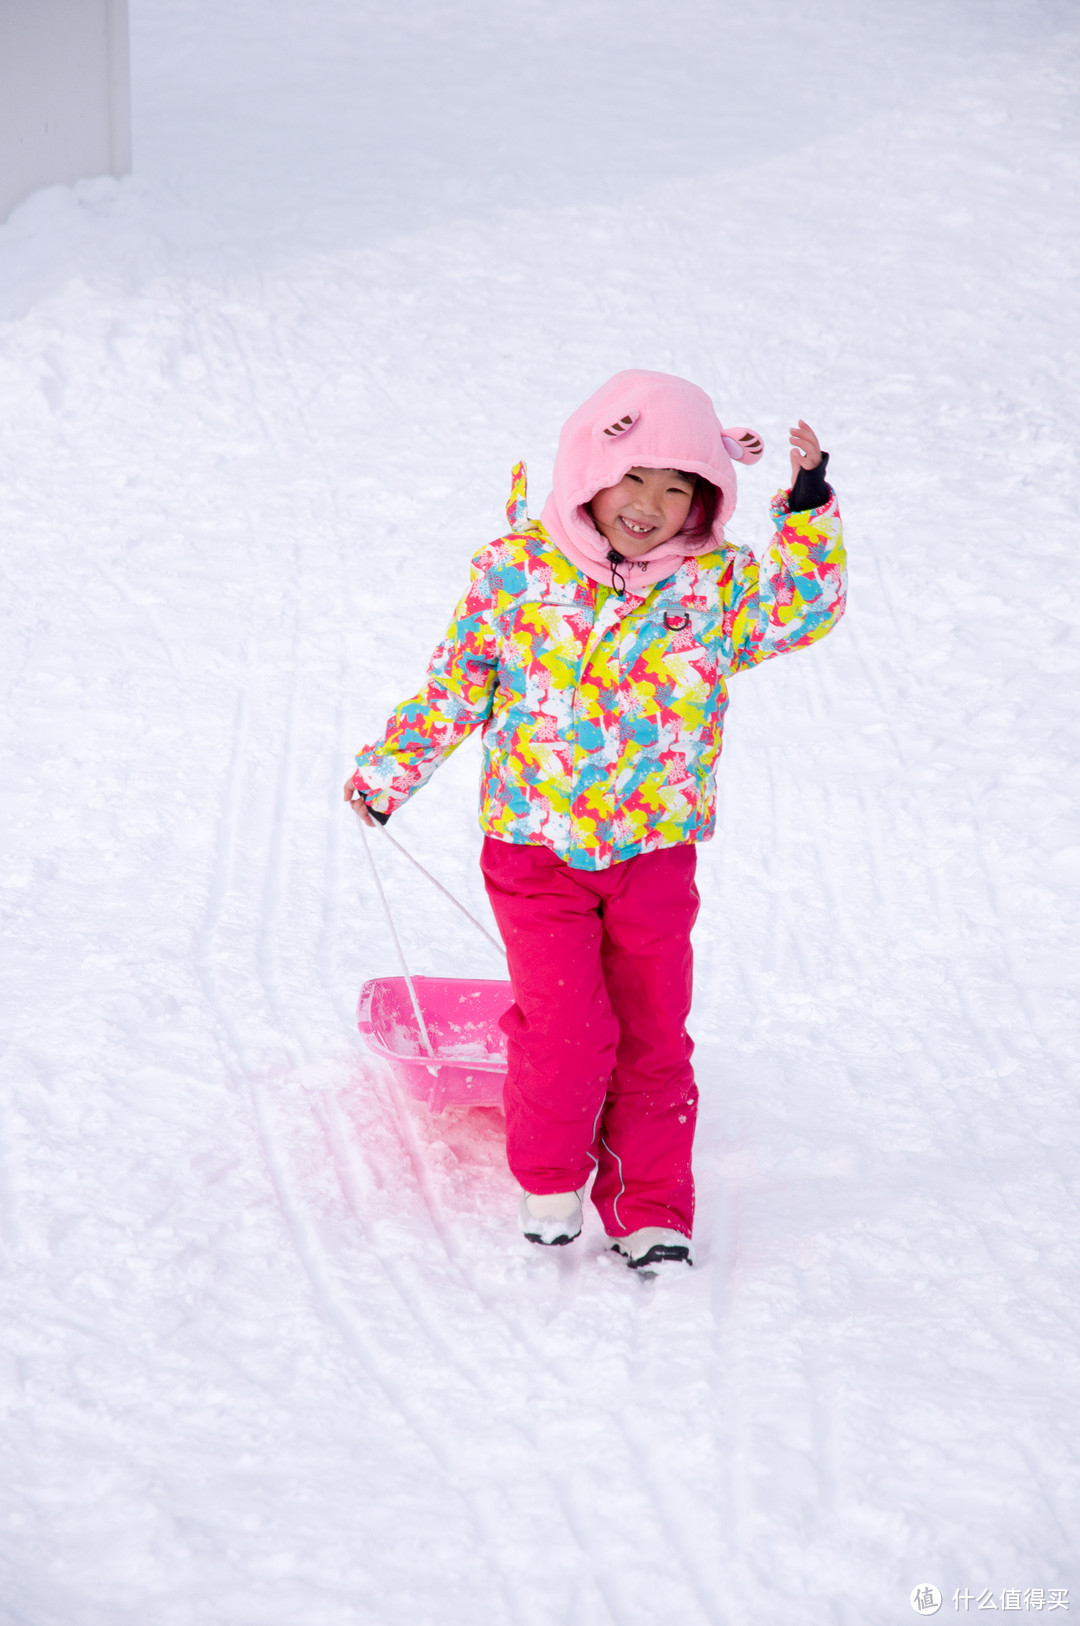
[
  {"x": 425, "y": 1040},
  {"x": 415, "y": 862}
]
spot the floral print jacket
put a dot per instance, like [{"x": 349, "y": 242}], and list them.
[{"x": 603, "y": 712}]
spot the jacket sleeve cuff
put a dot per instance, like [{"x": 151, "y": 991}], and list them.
[
  {"x": 810, "y": 489},
  {"x": 366, "y": 795}
]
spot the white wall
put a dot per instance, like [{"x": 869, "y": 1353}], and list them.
[{"x": 65, "y": 104}]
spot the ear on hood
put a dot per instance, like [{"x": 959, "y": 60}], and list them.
[{"x": 742, "y": 445}]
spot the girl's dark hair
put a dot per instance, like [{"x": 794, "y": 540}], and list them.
[{"x": 703, "y": 509}]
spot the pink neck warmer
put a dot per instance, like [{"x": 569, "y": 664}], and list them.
[{"x": 649, "y": 421}]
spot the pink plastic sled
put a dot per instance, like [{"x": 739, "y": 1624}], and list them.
[
  {"x": 467, "y": 1063},
  {"x": 440, "y": 1035}
]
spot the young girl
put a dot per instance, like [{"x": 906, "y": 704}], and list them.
[{"x": 593, "y": 648}]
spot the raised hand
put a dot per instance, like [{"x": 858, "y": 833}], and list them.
[{"x": 805, "y": 449}]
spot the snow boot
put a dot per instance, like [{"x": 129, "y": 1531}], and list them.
[
  {"x": 553, "y": 1220},
  {"x": 653, "y": 1248}
]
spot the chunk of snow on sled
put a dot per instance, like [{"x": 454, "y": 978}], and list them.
[{"x": 462, "y": 1020}]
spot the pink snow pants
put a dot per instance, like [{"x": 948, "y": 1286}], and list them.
[{"x": 599, "y": 1069}]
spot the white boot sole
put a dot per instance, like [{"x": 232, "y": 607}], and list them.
[
  {"x": 652, "y": 1249},
  {"x": 549, "y": 1231}
]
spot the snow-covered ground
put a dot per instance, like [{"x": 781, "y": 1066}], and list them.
[{"x": 271, "y": 1353}]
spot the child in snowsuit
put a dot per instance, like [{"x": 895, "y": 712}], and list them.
[{"x": 592, "y": 648}]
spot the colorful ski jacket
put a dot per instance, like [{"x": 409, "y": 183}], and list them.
[{"x": 603, "y": 713}]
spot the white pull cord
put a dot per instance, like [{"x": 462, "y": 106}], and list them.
[
  {"x": 425, "y": 1040},
  {"x": 415, "y": 862}
]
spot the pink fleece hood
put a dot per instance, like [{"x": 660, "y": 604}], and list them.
[{"x": 649, "y": 421}]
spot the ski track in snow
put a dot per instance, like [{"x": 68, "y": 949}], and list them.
[{"x": 271, "y": 1350}]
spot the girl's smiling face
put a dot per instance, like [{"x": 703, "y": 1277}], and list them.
[{"x": 646, "y": 508}]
